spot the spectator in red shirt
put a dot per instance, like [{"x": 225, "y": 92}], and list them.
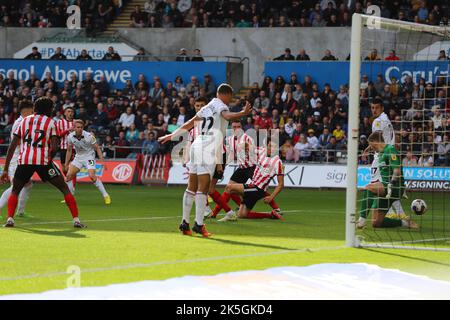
[
  {"x": 392, "y": 56},
  {"x": 111, "y": 109},
  {"x": 122, "y": 142},
  {"x": 264, "y": 121}
]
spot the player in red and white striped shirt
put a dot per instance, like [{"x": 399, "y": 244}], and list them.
[
  {"x": 241, "y": 149},
  {"x": 64, "y": 127},
  {"x": 267, "y": 167},
  {"x": 38, "y": 141}
]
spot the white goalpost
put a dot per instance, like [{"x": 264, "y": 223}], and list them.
[{"x": 414, "y": 114}]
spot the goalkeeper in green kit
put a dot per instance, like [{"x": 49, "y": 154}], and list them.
[{"x": 379, "y": 195}]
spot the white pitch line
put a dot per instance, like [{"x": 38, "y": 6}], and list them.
[
  {"x": 121, "y": 219},
  {"x": 162, "y": 263}
]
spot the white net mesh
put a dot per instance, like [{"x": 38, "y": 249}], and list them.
[{"x": 406, "y": 66}]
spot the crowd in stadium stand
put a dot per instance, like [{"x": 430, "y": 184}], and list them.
[
  {"x": 312, "y": 120},
  {"x": 231, "y": 13},
  {"x": 292, "y": 13},
  {"x": 96, "y": 14}
]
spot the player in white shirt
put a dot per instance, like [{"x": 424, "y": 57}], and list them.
[
  {"x": 85, "y": 146},
  {"x": 206, "y": 152},
  {"x": 383, "y": 124},
  {"x": 192, "y": 182},
  {"x": 26, "y": 109}
]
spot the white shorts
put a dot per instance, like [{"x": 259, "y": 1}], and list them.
[
  {"x": 89, "y": 164},
  {"x": 200, "y": 169},
  {"x": 12, "y": 169},
  {"x": 201, "y": 159}
]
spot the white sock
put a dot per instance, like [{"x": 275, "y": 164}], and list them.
[
  {"x": 101, "y": 187},
  {"x": 71, "y": 187},
  {"x": 76, "y": 219},
  {"x": 23, "y": 197},
  {"x": 4, "y": 197},
  {"x": 200, "y": 202},
  {"x": 188, "y": 201},
  {"x": 398, "y": 207}
]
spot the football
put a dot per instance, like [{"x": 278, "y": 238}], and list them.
[{"x": 418, "y": 206}]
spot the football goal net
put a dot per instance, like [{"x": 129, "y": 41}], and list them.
[{"x": 398, "y": 186}]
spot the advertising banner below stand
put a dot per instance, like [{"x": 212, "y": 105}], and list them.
[
  {"x": 333, "y": 176},
  {"x": 108, "y": 172}
]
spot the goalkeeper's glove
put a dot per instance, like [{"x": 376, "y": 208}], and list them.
[{"x": 389, "y": 191}]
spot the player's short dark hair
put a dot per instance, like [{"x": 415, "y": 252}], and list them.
[
  {"x": 378, "y": 101},
  {"x": 225, "y": 88},
  {"x": 43, "y": 105},
  {"x": 376, "y": 136},
  {"x": 25, "y": 104},
  {"x": 201, "y": 99}
]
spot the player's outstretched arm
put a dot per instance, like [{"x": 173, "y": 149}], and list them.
[
  {"x": 230, "y": 116},
  {"x": 184, "y": 128},
  {"x": 277, "y": 190},
  {"x": 12, "y": 147}
]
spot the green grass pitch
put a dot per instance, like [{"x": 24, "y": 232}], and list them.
[{"x": 136, "y": 238}]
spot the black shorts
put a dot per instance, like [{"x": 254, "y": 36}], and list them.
[
  {"x": 24, "y": 172},
  {"x": 242, "y": 175},
  {"x": 251, "y": 195}
]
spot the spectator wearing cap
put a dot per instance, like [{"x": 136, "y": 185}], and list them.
[
  {"x": 197, "y": 56},
  {"x": 84, "y": 56},
  {"x": 392, "y": 56},
  {"x": 286, "y": 56},
  {"x": 58, "y": 55},
  {"x": 182, "y": 56},
  {"x": 312, "y": 139},
  {"x": 111, "y": 55},
  {"x": 302, "y": 56},
  {"x": 328, "y": 56},
  {"x": 34, "y": 55}
]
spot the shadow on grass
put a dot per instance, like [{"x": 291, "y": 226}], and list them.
[
  {"x": 248, "y": 244},
  {"x": 68, "y": 233},
  {"x": 408, "y": 257}
]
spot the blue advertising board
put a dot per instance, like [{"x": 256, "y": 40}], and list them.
[
  {"x": 337, "y": 73},
  {"x": 415, "y": 177},
  {"x": 115, "y": 72}
]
